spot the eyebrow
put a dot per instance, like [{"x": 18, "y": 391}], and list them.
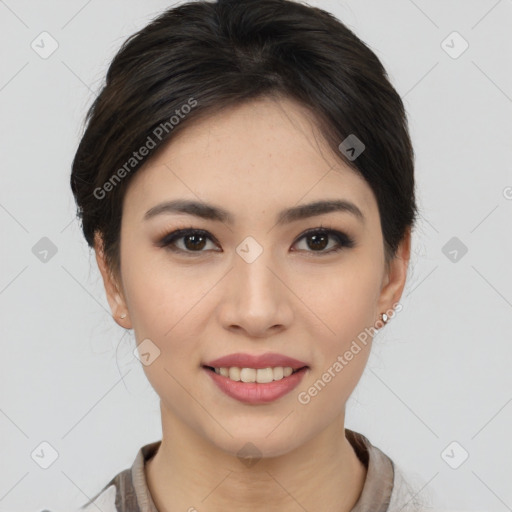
[{"x": 215, "y": 213}]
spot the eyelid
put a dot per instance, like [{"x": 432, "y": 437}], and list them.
[
  {"x": 323, "y": 229},
  {"x": 171, "y": 237},
  {"x": 345, "y": 241}
]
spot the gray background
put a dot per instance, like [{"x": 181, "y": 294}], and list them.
[{"x": 439, "y": 372}]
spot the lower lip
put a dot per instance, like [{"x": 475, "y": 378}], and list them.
[{"x": 255, "y": 393}]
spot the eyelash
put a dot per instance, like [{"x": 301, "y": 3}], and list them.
[{"x": 343, "y": 240}]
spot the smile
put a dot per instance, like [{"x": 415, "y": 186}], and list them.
[{"x": 256, "y": 386}]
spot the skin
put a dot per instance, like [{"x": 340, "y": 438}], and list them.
[{"x": 253, "y": 160}]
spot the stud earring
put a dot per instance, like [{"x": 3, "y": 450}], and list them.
[
  {"x": 384, "y": 317},
  {"x": 123, "y": 315}
]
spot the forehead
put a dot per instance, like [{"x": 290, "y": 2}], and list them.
[{"x": 260, "y": 155}]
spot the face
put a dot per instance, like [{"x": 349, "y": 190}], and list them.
[{"x": 253, "y": 280}]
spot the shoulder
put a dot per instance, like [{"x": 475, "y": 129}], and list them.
[
  {"x": 127, "y": 491},
  {"x": 114, "y": 497},
  {"x": 410, "y": 493},
  {"x": 104, "y": 501},
  {"x": 388, "y": 488}
]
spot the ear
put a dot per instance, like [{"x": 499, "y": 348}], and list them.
[
  {"x": 395, "y": 276},
  {"x": 113, "y": 291}
]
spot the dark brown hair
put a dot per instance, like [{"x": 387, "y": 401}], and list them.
[{"x": 201, "y": 57}]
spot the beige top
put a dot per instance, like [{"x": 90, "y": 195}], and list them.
[{"x": 384, "y": 490}]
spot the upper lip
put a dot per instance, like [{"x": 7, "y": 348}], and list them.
[{"x": 266, "y": 360}]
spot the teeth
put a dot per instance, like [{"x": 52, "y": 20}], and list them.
[{"x": 260, "y": 375}]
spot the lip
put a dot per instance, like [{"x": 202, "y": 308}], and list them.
[
  {"x": 254, "y": 393},
  {"x": 268, "y": 359}
]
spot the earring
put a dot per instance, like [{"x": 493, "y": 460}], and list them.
[
  {"x": 123, "y": 315},
  {"x": 384, "y": 317}
]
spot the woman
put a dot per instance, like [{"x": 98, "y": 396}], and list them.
[{"x": 246, "y": 180}]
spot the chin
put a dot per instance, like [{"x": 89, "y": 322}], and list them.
[{"x": 257, "y": 446}]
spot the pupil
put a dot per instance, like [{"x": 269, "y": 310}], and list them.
[
  {"x": 195, "y": 239},
  {"x": 315, "y": 241}
]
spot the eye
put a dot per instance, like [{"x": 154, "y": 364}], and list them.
[
  {"x": 195, "y": 240},
  {"x": 318, "y": 240}
]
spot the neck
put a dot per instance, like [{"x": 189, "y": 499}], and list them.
[{"x": 324, "y": 474}]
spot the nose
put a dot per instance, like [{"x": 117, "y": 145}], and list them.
[{"x": 256, "y": 299}]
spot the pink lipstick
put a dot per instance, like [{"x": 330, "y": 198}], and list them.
[{"x": 237, "y": 365}]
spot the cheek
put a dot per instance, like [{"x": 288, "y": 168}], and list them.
[
  {"x": 160, "y": 296},
  {"x": 169, "y": 306},
  {"x": 164, "y": 308},
  {"x": 345, "y": 301},
  {"x": 345, "y": 305},
  {"x": 343, "y": 343}
]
